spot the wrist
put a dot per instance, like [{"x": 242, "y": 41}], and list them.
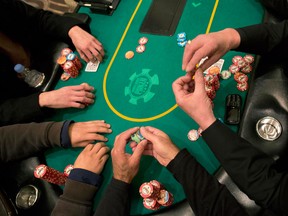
[
  {"x": 206, "y": 121},
  {"x": 72, "y": 30},
  {"x": 42, "y": 99},
  {"x": 123, "y": 178},
  {"x": 233, "y": 38}
]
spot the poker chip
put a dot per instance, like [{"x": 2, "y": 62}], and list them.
[
  {"x": 240, "y": 77},
  {"x": 241, "y": 63},
  {"x": 61, "y": 60},
  {"x": 165, "y": 198},
  {"x": 68, "y": 169},
  {"x": 157, "y": 184},
  {"x": 181, "y": 35},
  {"x": 225, "y": 74},
  {"x": 246, "y": 69},
  {"x": 74, "y": 58},
  {"x": 213, "y": 70},
  {"x": 182, "y": 43},
  {"x": 249, "y": 59},
  {"x": 140, "y": 49},
  {"x": 143, "y": 40},
  {"x": 49, "y": 174},
  {"x": 65, "y": 76},
  {"x": 236, "y": 59},
  {"x": 129, "y": 55},
  {"x": 242, "y": 86},
  {"x": 70, "y": 68},
  {"x": 137, "y": 137},
  {"x": 65, "y": 51},
  {"x": 193, "y": 135},
  {"x": 148, "y": 190},
  {"x": 234, "y": 68},
  {"x": 151, "y": 204}
]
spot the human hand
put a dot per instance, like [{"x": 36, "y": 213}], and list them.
[
  {"x": 84, "y": 133},
  {"x": 213, "y": 45},
  {"x": 159, "y": 145},
  {"x": 93, "y": 157},
  {"x": 78, "y": 96},
  {"x": 126, "y": 166},
  {"x": 195, "y": 102},
  {"x": 86, "y": 44}
]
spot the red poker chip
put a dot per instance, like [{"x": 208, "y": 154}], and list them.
[
  {"x": 241, "y": 63},
  {"x": 234, "y": 68},
  {"x": 240, "y": 77},
  {"x": 143, "y": 40},
  {"x": 246, "y": 69},
  {"x": 151, "y": 204},
  {"x": 140, "y": 49},
  {"x": 236, "y": 59},
  {"x": 249, "y": 59},
  {"x": 242, "y": 86}
]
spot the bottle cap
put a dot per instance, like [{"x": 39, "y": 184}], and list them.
[{"x": 19, "y": 68}]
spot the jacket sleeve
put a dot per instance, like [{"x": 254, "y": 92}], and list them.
[
  {"x": 205, "y": 194},
  {"x": 22, "y": 110},
  {"x": 252, "y": 170},
  {"x": 22, "y": 140},
  {"x": 24, "y": 17},
  {"x": 77, "y": 199},
  {"x": 116, "y": 200},
  {"x": 264, "y": 38}
]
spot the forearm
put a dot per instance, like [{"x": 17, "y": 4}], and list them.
[
  {"x": 22, "y": 140},
  {"x": 21, "y": 110},
  {"x": 116, "y": 200},
  {"x": 205, "y": 194},
  {"x": 252, "y": 170},
  {"x": 264, "y": 38},
  {"x": 38, "y": 21},
  {"x": 77, "y": 199}
]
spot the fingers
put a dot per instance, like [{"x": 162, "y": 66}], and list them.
[
  {"x": 136, "y": 156},
  {"x": 122, "y": 139}
]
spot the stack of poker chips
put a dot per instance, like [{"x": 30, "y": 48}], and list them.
[
  {"x": 49, "y": 174},
  {"x": 70, "y": 63},
  {"x": 212, "y": 84},
  {"x": 137, "y": 137},
  {"x": 155, "y": 195},
  {"x": 181, "y": 39},
  {"x": 240, "y": 68}
]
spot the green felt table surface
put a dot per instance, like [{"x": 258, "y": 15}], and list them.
[{"x": 138, "y": 92}]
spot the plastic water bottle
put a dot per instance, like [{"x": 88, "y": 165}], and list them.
[{"x": 33, "y": 78}]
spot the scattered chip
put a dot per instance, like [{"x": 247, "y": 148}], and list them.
[
  {"x": 225, "y": 74},
  {"x": 140, "y": 49},
  {"x": 193, "y": 135},
  {"x": 129, "y": 55},
  {"x": 143, "y": 40}
]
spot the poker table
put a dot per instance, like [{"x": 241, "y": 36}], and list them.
[{"x": 138, "y": 92}]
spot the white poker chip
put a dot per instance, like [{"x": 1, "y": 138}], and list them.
[
  {"x": 140, "y": 49},
  {"x": 193, "y": 135},
  {"x": 143, "y": 40},
  {"x": 225, "y": 74}
]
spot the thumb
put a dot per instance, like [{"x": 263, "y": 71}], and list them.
[
  {"x": 139, "y": 151},
  {"x": 199, "y": 80},
  {"x": 147, "y": 133}
]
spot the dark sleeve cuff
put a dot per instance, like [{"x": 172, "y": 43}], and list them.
[
  {"x": 65, "y": 138},
  {"x": 85, "y": 176},
  {"x": 172, "y": 166},
  {"x": 120, "y": 185}
]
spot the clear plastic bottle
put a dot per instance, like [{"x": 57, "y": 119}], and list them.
[{"x": 33, "y": 77}]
